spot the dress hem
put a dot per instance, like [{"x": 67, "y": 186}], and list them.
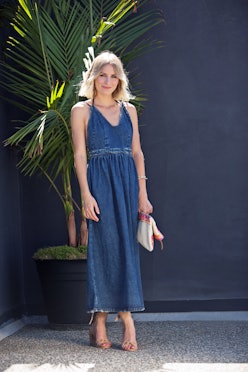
[{"x": 135, "y": 309}]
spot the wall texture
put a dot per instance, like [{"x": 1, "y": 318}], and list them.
[
  {"x": 11, "y": 258},
  {"x": 194, "y": 133}
]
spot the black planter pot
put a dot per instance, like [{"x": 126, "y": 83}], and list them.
[{"x": 63, "y": 284}]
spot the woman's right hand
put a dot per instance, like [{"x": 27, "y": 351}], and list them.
[{"x": 91, "y": 209}]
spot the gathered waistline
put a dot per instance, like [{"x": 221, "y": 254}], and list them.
[{"x": 106, "y": 151}]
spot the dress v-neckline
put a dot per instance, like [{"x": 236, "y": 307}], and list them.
[{"x": 107, "y": 121}]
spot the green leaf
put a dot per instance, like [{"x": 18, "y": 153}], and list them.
[{"x": 42, "y": 68}]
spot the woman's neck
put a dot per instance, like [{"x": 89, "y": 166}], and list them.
[{"x": 104, "y": 102}]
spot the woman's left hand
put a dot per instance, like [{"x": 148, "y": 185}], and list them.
[{"x": 144, "y": 205}]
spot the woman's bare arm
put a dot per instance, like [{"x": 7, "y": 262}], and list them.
[
  {"x": 138, "y": 156},
  {"x": 79, "y": 120}
]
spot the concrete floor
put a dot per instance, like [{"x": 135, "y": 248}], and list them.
[{"x": 164, "y": 346}]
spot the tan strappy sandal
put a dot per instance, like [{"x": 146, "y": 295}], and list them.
[
  {"x": 102, "y": 343},
  {"x": 127, "y": 345}
]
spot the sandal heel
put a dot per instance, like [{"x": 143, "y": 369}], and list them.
[
  {"x": 101, "y": 343},
  {"x": 128, "y": 344}
]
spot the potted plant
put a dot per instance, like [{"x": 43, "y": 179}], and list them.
[
  {"x": 42, "y": 66},
  {"x": 62, "y": 272}
]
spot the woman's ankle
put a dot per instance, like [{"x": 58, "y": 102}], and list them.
[
  {"x": 125, "y": 316},
  {"x": 101, "y": 317}
]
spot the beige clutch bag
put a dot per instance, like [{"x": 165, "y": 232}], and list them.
[{"x": 148, "y": 232}]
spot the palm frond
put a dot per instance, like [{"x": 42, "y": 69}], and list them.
[{"x": 45, "y": 53}]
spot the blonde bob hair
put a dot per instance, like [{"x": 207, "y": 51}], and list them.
[{"x": 87, "y": 86}]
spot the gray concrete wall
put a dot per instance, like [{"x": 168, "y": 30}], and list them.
[
  {"x": 11, "y": 255},
  {"x": 194, "y": 135}
]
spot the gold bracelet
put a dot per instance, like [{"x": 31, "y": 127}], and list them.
[{"x": 142, "y": 178}]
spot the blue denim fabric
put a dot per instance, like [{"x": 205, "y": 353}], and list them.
[{"x": 113, "y": 275}]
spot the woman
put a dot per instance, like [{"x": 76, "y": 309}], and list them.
[{"x": 113, "y": 190}]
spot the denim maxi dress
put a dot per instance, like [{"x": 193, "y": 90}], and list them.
[{"x": 113, "y": 274}]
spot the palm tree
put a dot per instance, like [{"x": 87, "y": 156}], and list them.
[{"x": 43, "y": 66}]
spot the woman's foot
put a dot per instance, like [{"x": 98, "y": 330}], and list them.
[
  {"x": 129, "y": 342},
  {"x": 98, "y": 335}
]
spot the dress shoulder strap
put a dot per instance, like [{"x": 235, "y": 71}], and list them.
[
  {"x": 90, "y": 106},
  {"x": 125, "y": 109}
]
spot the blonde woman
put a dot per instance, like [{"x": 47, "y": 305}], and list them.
[{"x": 113, "y": 190}]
